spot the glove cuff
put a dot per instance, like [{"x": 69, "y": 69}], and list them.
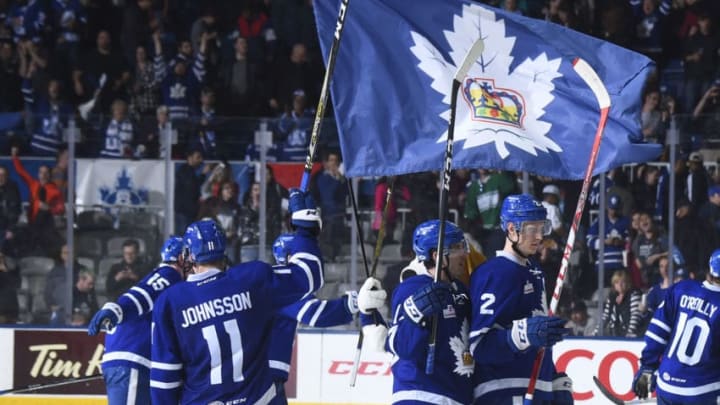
[
  {"x": 518, "y": 335},
  {"x": 309, "y": 215},
  {"x": 116, "y": 309},
  {"x": 561, "y": 382},
  {"x": 352, "y": 302},
  {"x": 374, "y": 337},
  {"x": 412, "y": 311}
]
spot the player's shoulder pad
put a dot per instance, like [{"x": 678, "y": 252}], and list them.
[{"x": 414, "y": 268}]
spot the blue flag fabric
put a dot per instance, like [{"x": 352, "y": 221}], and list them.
[{"x": 521, "y": 106}]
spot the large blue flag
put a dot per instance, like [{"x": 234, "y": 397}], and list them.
[{"x": 521, "y": 106}]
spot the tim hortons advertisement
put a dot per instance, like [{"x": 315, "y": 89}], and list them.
[
  {"x": 325, "y": 361},
  {"x": 50, "y": 356}
]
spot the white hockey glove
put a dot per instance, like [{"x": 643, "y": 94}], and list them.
[{"x": 371, "y": 296}]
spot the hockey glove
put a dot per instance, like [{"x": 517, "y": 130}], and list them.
[
  {"x": 426, "y": 301},
  {"x": 304, "y": 213},
  {"x": 351, "y": 300},
  {"x": 371, "y": 296},
  {"x": 537, "y": 331},
  {"x": 644, "y": 382},
  {"x": 109, "y": 316},
  {"x": 562, "y": 389}
]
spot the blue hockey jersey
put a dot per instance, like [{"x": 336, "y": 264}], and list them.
[
  {"x": 180, "y": 93},
  {"x": 294, "y": 130},
  {"x": 502, "y": 290},
  {"x": 211, "y": 333},
  {"x": 128, "y": 344},
  {"x": 309, "y": 311},
  {"x": 620, "y": 229},
  {"x": 684, "y": 338},
  {"x": 451, "y": 382},
  {"x": 49, "y": 120}
]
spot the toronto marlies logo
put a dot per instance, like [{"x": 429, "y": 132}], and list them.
[
  {"x": 500, "y": 106},
  {"x": 123, "y": 192},
  {"x": 460, "y": 346}
]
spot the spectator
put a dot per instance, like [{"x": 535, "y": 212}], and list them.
[
  {"x": 381, "y": 189},
  {"x": 254, "y": 25},
  {"x": 700, "y": 59},
  {"x": 10, "y": 93},
  {"x": 293, "y": 129},
  {"x": 277, "y": 198},
  {"x": 60, "y": 171},
  {"x": 551, "y": 198},
  {"x": 212, "y": 186},
  {"x": 206, "y": 24},
  {"x": 249, "y": 225},
  {"x": 57, "y": 286},
  {"x": 27, "y": 19},
  {"x": 329, "y": 190},
  {"x": 645, "y": 190},
  {"x": 119, "y": 134},
  {"x": 84, "y": 300},
  {"x": 696, "y": 186},
  {"x": 482, "y": 206},
  {"x": 138, "y": 22},
  {"x": 710, "y": 211},
  {"x": 45, "y": 198},
  {"x": 694, "y": 237},
  {"x": 244, "y": 91},
  {"x": 205, "y": 135},
  {"x": 617, "y": 234},
  {"x": 653, "y": 118},
  {"x": 99, "y": 61},
  {"x": 152, "y": 135},
  {"x": 707, "y": 110},
  {"x": 581, "y": 323},
  {"x": 70, "y": 18},
  {"x": 10, "y": 207},
  {"x": 144, "y": 87},
  {"x": 127, "y": 272},
  {"x": 187, "y": 190},
  {"x": 180, "y": 91},
  {"x": 9, "y": 284},
  {"x": 225, "y": 211},
  {"x": 621, "y": 312},
  {"x": 649, "y": 21},
  {"x": 295, "y": 74},
  {"x": 650, "y": 245}
]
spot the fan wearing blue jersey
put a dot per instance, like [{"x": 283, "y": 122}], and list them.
[
  {"x": 681, "y": 358},
  {"x": 310, "y": 311},
  {"x": 415, "y": 301},
  {"x": 211, "y": 333},
  {"x": 509, "y": 313},
  {"x": 126, "y": 362}
]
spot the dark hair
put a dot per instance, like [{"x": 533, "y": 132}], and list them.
[{"x": 131, "y": 242}]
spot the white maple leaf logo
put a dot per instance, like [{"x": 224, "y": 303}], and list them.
[
  {"x": 459, "y": 345},
  {"x": 498, "y": 105}
]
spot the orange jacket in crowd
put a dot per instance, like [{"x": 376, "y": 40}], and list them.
[{"x": 53, "y": 196}]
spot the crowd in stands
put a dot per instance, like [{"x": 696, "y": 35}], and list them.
[{"x": 132, "y": 74}]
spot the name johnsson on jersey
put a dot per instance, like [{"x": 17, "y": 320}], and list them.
[{"x": 216, "y": 307}]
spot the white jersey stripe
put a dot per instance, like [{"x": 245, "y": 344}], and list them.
[{"x": 423, "y": 396}]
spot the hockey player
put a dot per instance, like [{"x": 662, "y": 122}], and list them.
[
  {"x": 682, "y": 344},
  {"x": 509, "y": 322},
  {"x": 310, "y": 311},
  {"x": 126, "y": 362},
  {"x": 415, "y": 301},
  {"x": 210, "y": 335}
]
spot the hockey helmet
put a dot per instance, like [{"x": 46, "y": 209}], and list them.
[
  {"x": 715, "y": 263},
  {"x": 281, "y": 248},
  {"x": 519, "y": 208},
  {"x": 171, "y": 249},
  {"x": 425, "y": 238},
  {"x": 205, "y": 242}
]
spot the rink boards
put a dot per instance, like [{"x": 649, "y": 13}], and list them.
[{"x": 320, "y": 374}]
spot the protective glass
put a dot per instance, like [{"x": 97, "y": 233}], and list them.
[
  {"x": 536, "y": 228},
  {"x": 459, "y": 248}
]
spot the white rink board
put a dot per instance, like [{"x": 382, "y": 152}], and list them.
[{"x": 324, "y": 360}]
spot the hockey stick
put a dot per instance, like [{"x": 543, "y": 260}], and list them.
[
  {"x": 586, "y": 72},
  {"x": 36, "y": 387},
  {"x": 614, "y": 399},
  {"x": 471, "y": 57},
  {"x": 376, "y": 259},
  {"x": 320, "y": 112}
]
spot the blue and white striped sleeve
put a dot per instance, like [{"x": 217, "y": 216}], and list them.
[
  {"x": 160, "y": 67},
  {"x": 302, "y": 276},
  {"x": 199, "y": 67},
  {"x": 166, "y": 372},
  {"x": 28, "y": 92},
  {"x": 658, "y": 332},
  {"x": 321, "y": 313},
  {"x": 139, "y": 299}
]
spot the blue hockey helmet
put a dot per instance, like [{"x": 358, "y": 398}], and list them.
[
  {"x": 519, "y": 208},
  {"x": 205, "y": 241},
  {"x": 715, "y": 263},
  {"x": 172, "y": 249},
  {"x": 281, "y": 248},
  {"x": 425, "y": 238}
]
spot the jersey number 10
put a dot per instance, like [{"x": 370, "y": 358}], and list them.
[
  {"x": 681, "y": 339},
  {"x": 211, "y": 338}
]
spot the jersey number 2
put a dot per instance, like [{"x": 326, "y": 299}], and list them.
[
  {"x": 685, "y": 329},
  {"x": 211, "y": 338}
]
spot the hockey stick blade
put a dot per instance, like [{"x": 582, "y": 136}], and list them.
[
  {"x": 470, "y": 58},
  {"x": 37, "y": 387},
  {"x": 609, "y": 395}
]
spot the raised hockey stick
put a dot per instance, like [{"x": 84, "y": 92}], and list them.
[
  {"x": 320, "y": 112},
  {"x": 588, "y": 74},
  {"x": 36, "y": 387},
  {"x": 614, "y": 399},
  {"x": 471, "y": 57},
  {"x": 371, "y": 273}
]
